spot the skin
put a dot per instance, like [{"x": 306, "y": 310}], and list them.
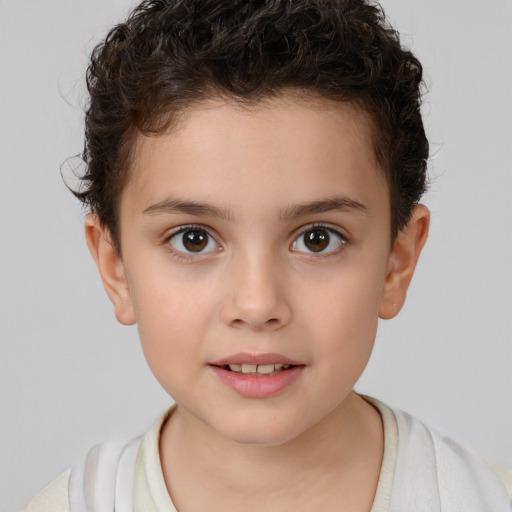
[{"x": 258, "y": 288}]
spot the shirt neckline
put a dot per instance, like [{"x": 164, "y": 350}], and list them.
[{"x": 150, "y": 489}]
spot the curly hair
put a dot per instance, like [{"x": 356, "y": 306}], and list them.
[{"x": 169, "y": 54}]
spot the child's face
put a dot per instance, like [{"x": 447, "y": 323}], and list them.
[{"x": 257, "y": 236}]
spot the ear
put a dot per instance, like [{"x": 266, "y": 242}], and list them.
[
  {"x": 111, "y": 268},
  {"x": 402, "y": 262}
]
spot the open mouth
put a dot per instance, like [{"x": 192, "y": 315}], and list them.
[
  {"x": 257, "y": 369},
  {"x": 253, "y": 380}
]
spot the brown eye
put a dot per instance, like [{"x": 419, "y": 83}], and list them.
[
  {"x": 318, "y": 240},
  {"x": 193, "y": 240}
]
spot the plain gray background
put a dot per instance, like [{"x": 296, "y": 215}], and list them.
[{"x": 71, "y": 377}]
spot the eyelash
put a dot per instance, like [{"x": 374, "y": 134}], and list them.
[
  {"x": 322, "y": 227},
  {"x": 188, "y": 257},
  {"x": 184, "y": 256}
]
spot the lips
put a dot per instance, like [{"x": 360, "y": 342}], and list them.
[
  {"x": 257, "y": 369},
  {"x": 257, "y": 359},
  {"x": 257, "y": 375}
]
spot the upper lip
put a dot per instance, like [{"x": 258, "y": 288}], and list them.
[{"x": 246, "y": 358}]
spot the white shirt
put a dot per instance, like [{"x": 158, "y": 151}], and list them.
[{"x": 150, "y": 491}]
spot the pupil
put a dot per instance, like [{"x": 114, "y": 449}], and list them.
[
  {"x": 316, "y": 240},
  {"x": 196, "y": 240}
]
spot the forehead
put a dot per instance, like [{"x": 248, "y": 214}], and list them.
[{"x": 287, "y": 147}]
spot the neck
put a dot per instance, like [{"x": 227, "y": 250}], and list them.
[{"x": 335, "y": 457}]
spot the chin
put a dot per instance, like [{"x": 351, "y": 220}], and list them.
[
  {"x": 262, "y": 439},
  {"x": 264, "y": 433}
]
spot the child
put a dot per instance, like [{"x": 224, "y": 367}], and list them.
[{"x": 254, "y": 172}]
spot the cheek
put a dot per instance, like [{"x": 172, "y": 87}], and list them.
[
  {"x": 170, "y": 332},
  {"x": 172, "y": 316},
  {"x": 344, "y": 312}
]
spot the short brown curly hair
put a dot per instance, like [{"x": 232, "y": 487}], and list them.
[{"x": 169, "y": 54}]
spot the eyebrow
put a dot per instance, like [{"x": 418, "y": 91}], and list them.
[
  {"x": 343, "y": 204},
  {"x": 189, "y": 208},
  {"x": 176, "y": 206}
]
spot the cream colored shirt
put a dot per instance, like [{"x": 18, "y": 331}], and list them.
[{"x": 150, "y": 491}]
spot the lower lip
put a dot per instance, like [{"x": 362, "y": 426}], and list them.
[{"x": 255, "y": 386}]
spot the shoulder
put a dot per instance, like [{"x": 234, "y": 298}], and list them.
[
  {"x": 53, "y": 498},
  {"x": 434, "y": 470},
  {"x": 106, "y": 473},
  {"x": 446, "y": 448},
  {"x": 504, "y": 474},
  {"x": 94, "y": 480},
  {"x": 447, "y": 472}
]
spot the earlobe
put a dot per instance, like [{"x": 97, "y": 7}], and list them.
[
  {"x": 111, "y": 269},
  {"x": 402, "y": 262}
]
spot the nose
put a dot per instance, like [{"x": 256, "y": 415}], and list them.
[{"x": 256, "y": 294}]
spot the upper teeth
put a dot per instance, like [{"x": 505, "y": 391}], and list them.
[{"x": 260, "y": 368}]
